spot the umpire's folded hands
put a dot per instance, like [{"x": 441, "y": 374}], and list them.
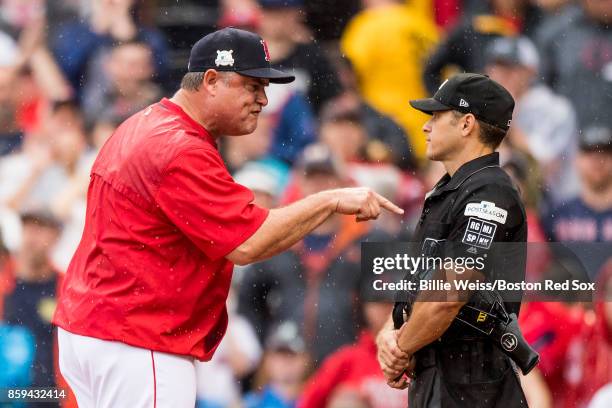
[{"x": 393, "y": 361}]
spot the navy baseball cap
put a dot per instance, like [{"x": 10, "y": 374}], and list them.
[
  {"x": 234, "y": 50},
  {"x": 471, "y": 93}
]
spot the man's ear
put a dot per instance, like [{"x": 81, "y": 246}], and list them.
[
  {"x": 210, "y": 80},
  {"x": 468, "y": 124}
]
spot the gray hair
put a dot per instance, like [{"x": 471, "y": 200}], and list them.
[{"x": 192, "y": 80}]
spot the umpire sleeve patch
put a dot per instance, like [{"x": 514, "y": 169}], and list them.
[
  {"x": 487, "y": 211},
  {"x": 479, "y": 233}
]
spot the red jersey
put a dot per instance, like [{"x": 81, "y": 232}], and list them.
[{"x": 162, "y": 213}]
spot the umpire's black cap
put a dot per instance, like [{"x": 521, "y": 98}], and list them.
[
  {"x": 471, "y": 93},
  {"x": 232, "y": 49}
]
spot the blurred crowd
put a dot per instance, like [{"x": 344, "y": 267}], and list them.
[{"x": 303, "y": 324}]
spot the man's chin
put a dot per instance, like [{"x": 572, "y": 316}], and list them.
[
  {"x": 242, "y": 132},
  {"x": 251, "y": 128}
]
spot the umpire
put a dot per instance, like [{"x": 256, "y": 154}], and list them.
[{"x": 452, "y": 358}]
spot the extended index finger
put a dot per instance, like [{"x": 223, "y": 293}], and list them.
[{"x": 388, "y": 204}]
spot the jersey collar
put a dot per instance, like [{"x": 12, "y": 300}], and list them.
[
  {"x": 167, "y": 103},
  {"x": 448, "y": 183}
]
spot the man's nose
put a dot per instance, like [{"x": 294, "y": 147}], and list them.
[
  {"x": 262, "y": 99},
  {"x": 427, "y": 126}
]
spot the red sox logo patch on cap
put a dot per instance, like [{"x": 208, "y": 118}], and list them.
[{"x": 265, "y": 47}]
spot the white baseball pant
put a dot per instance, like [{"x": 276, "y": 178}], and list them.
[{"x": 110, "y": 374}]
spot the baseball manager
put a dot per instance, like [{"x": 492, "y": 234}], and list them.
[{"x": 146, "y": 289}]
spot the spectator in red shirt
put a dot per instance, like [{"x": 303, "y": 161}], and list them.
[
  {"x": 575, "y": 344},
  {"x": 588, "y": 358},
  {"x": 549, "y": 327},
  {"x": 355, "y": 367},
  {"x": 145, "y": 292}
]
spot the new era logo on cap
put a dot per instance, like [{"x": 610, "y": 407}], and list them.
[{"x": 488, "y": 101}]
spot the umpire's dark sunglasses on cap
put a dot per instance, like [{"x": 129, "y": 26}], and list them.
[
  {"x": 231, "y": 49},
  {"x": 471, "y": 93}
]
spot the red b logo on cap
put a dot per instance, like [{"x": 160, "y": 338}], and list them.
[{"x": 265, "y": 47}]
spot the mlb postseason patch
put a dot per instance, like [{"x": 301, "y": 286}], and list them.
[
  {"x": 479, "y": 233},
  {"x": 224, "y": 58},
  {"x": 487, "y": 211}
]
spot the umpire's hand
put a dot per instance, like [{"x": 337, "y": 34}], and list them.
[
  {"x": 363, "y": 202},
  {"x": 393, "y": 361}
]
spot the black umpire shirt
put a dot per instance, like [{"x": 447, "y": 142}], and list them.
[{"x": 475, "y": 213}]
